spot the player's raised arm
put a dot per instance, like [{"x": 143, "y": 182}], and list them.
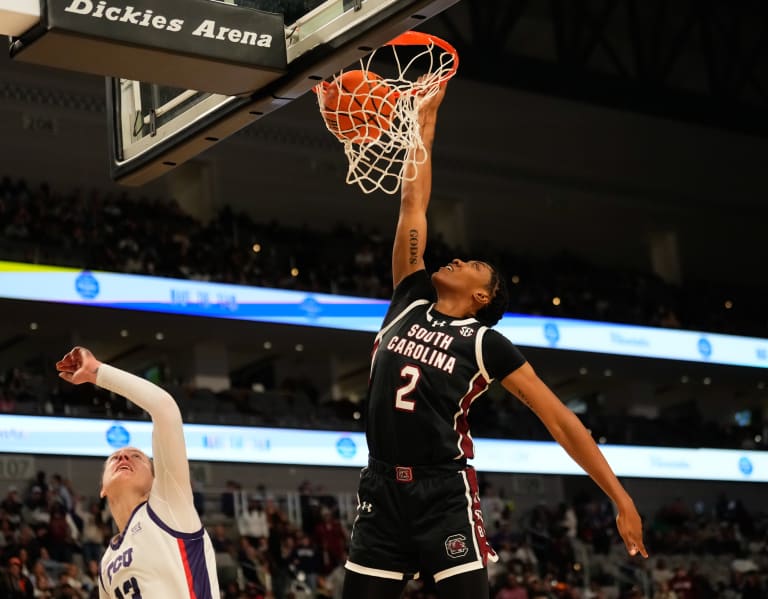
[
  {"x": 172, "y": 486},
  {"x": 411, "y": 233},
  {"x": 571, "y": 434}
]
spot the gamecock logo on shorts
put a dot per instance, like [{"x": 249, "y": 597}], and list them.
[{"x": 456, "y": 546}]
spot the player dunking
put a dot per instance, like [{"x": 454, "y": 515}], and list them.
[
  {"x": 162, "y": 549},
  {"x": 419, "y": 509}
]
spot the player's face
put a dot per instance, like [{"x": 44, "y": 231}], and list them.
[
  {"x": 461, "y": 276},
  {"x": 127, "y": 468}
]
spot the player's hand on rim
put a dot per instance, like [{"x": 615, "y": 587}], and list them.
[
  {"x": 430, "y": 103},
  {"x": 78, "y": 366}
]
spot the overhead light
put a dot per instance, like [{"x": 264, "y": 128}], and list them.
[
  {"x": 159, "y": 336},
  {"x": 684, "y": 379},
  {"x": 299, "y": 347},
  {"x": 256, "y": 247},
  {"x": 728, "y": 304},
  {"x": 707, "y": 380},
  {"x": 555, "y": 301},
  {"x": 608, "y": 372},
  {"x": 294, "y": 272},
  {"x": 583, "y": 370},
  {"x": 515, "y": 279},
  {"x": 123, "y": 333},
  {"x": 33, "y": 326},
  {"x": 267, "y": 345}
]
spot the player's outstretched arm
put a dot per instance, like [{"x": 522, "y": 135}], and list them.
[
  {"x": 172, "y": 484},
  {"x": 571, "y": 434},
  {"x": 411, "y": 233}
]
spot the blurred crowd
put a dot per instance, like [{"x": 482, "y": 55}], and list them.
[
  {"x": 298, "y": 403},
  {"x": 51, "y": 535},
  {"x": 156, "y": 237},
  {"x": 51, "y": 539}
]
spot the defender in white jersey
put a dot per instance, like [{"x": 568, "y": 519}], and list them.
[{"x": 162, "y": 549}]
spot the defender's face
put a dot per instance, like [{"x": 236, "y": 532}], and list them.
[
  {"x": 127, "y": 468},
  {"x": 459, "y": 275}
]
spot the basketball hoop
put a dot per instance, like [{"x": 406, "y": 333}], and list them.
[{"x": 375, "y": 117}]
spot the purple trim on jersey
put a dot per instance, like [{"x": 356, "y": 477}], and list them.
[
  {"x": 174, "y": 533},
  {"x": 117, "y": 540},
  {"x": 192, "y": 549},
  {"x": 196, "y": 568}
]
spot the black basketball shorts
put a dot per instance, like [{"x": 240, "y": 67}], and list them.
[{"x": 414, "y": 521}]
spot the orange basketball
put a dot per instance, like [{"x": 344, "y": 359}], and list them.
[{"x": 357, "y": 106}]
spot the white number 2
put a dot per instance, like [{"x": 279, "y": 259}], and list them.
[{"x": 411, "y": 373}]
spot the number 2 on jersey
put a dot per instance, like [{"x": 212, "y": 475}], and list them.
[{"x": 411, "y": 374}]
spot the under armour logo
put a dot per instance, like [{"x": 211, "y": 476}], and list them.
[
  {"x": 439, "y": 323},
  {"x": 366, "y": 507}
]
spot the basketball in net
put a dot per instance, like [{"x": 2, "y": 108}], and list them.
[
  {"x": 373, "y": 109},
  {"x": 357, "y": 106}
]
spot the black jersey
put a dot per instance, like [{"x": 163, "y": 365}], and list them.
[{"x": 426, "y": 371}]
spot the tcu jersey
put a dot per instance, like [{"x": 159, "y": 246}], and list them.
[
  {"x": 148, "y": 560},
  {"x": 427, "y": 370}
]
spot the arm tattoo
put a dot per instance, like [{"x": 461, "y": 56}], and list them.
[
  {"x": 521, "y": 396},
  {"x": 413, "y": 246}
]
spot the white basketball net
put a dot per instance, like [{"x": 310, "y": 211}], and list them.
[{"x": 378, "y": 153}]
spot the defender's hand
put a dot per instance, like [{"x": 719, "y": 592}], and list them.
[{"x": 78, "y": 366}]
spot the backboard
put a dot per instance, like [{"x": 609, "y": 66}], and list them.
[{"x": 154, "y": 128}]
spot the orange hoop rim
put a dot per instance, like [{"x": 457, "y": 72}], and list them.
[
  {"x": 415, "y": 38},
  {"x": 419, "y": 38}
]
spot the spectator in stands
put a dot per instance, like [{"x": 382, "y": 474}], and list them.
[
  {"x": 61, "y": 493},
  {"x": 252, "y": 522},
  {"x": 94, "y": 531},
  {"x": 221, "y": 541},
  {"x": 65, "y": 590},
  {"x": 682, "y": 584},
  {"x": 512, "y": 589},
  {"x": 492, "y": 506},
  {"x": 12, "y": 506},
  {"x": 60, "y": 534},
  {"x": 251, "y": 565},
  {"x": 45, "y": 589},
  {"x": 90, "y": 578},
  {"x": 40, "y": 576},
  {"x": 227, "y": 504},
  {"x": 660, "y": 572},
  {"x": 13, "y": 583},
  {"x": 331, "y": 538},
  {"x": 334, "y": 581},
  {"x": 7, "y": 402},
  {"x": 305, "y": 559}
]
